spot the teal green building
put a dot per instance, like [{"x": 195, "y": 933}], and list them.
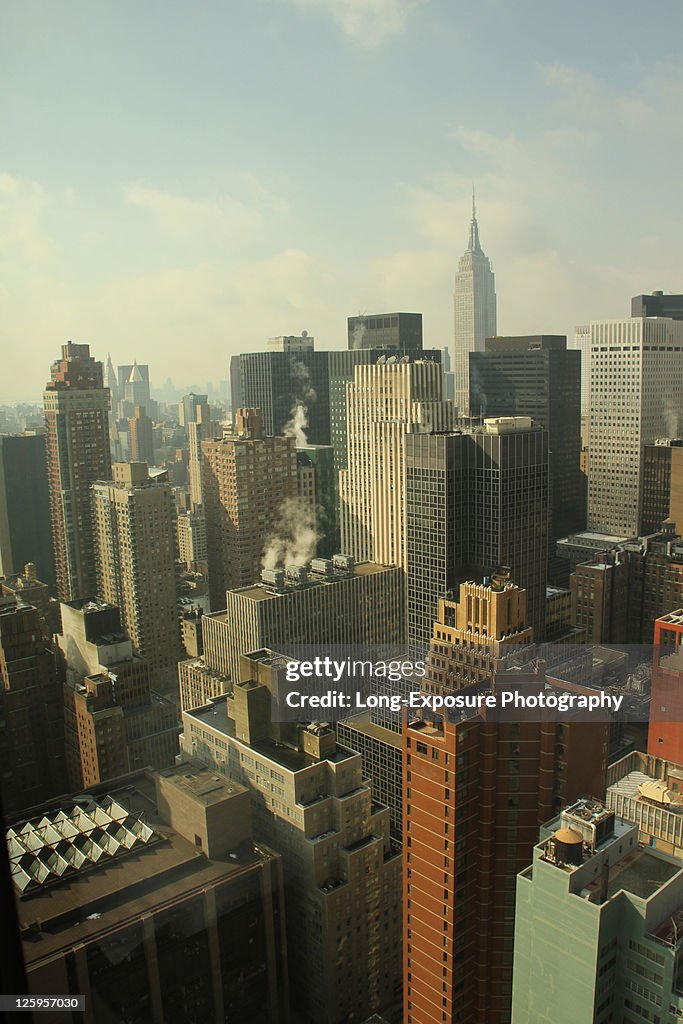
[{"x": 598, "y": 926}]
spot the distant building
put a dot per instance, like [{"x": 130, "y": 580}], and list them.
[
  {"x": 281, "y": 382},
  {"x": 326, "y": 603},
  {"x": 25, "y": 531},
  {"x": 26, "y": 588},
  {"x": 597, "y": 925},
  {"x": 193, "y": 409},
  {"x": 317, "y": 487},
  {"x": 134, "y": 390},
  {"x": 134, "y": 525},
  {"x": 658, "y": 304},
  {"x": 77, "y": 446},
  {"x": 192, "y": 546},
  {"x": 636, "y": 397},
  {"x": 303, "y": 342},
  {"x": 397, "y": 332},
  {"x": 32, "y": 733},
  {"x": 540, "y": 377},
  {"x": 382, "y": 753},
  {"x": 475, "y": 317},
  {"x": 140, "y": 432},
  {"x": 342, "y": 870},
  {"x": 476, "y": 500},
  {"x": 206, "y": 940},
  {"x": 385, "y": 402},
  {"x": 248, "y": 477},
  {"x": 662, "y": 488}
]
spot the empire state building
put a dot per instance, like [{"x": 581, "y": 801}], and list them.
[{"x": 475, "y": 311}]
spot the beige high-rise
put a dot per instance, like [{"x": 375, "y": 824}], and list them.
[
  {"x": 133, "y": 525},
  {"x": 385, "y": 401},
  {"x": 246, "y": 479}
]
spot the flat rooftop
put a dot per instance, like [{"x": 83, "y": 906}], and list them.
[
  {"x": 363, "y": 723},
  {"x": 266, "y": 591},
  {"x": 641, "y": 873},
  {"x": 201, "y": 783},
  {"x": 215, "y": 716},
  {"x": 119, "y": 888}
]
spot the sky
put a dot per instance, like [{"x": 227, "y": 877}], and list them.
[{"x": 180, "y": 181}]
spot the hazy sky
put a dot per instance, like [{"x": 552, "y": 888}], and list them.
[{"x": 178, "y": 180}]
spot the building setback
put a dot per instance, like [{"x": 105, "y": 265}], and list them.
[
  {"x": 113, "y": 723},
  {"x": 78, "y": 453},
  {"x": 312, "y": 805},
  {"x": 597, "y": 925},
  {"x": 134, "y": 525},
  {"x": 151, "y": 898}
]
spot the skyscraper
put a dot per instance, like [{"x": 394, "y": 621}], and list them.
[
  {"x": 133, "y": 385},
  {"x": 78, "y": 453},
  {"x": 32, "y": 733},
  {"x": 140, "y": 432},
  {"x": 25, "y": 534},
  {"x": 475, "y": 310},
  {"x": 281, "y": 382},
  {"x": 397, "y": 332},
  {"x": 475, "y": 791},
  {"x": 385, "y": 402},
  {"x": 475, "y": 501},
  {"x": 248, "y": 479},
  {"x": 538, "y": 377},
  {"x": 134, "y": 527},
  {"x": 658, "y": 304},
  {"x": 636, "y": 397},
  {"x": 662, "y": 493}
]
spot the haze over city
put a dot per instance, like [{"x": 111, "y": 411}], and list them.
[{"x": 179, "y": 183}]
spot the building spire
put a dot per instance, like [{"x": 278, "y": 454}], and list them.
[{"x": 474, "y": 244}]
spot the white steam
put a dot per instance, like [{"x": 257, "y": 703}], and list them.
[
  {"x": 297, "y": 426},
  {"x": 294, "y": 538}
]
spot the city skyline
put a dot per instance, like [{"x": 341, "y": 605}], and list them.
[{"x": 156, "y": 215}]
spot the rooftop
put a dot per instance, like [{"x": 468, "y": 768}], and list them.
[{"x": 83, "y": 904}]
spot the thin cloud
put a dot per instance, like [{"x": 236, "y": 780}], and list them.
[{"x": 367, "y": 22}]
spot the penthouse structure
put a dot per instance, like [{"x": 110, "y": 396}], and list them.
[{"x": 342, "y": 870}]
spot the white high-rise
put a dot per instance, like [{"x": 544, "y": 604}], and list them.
[
  {"x": 384, "y": 402},
  {"x": 475, "y": 311},
  {"x": 636, "y": 396}
]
